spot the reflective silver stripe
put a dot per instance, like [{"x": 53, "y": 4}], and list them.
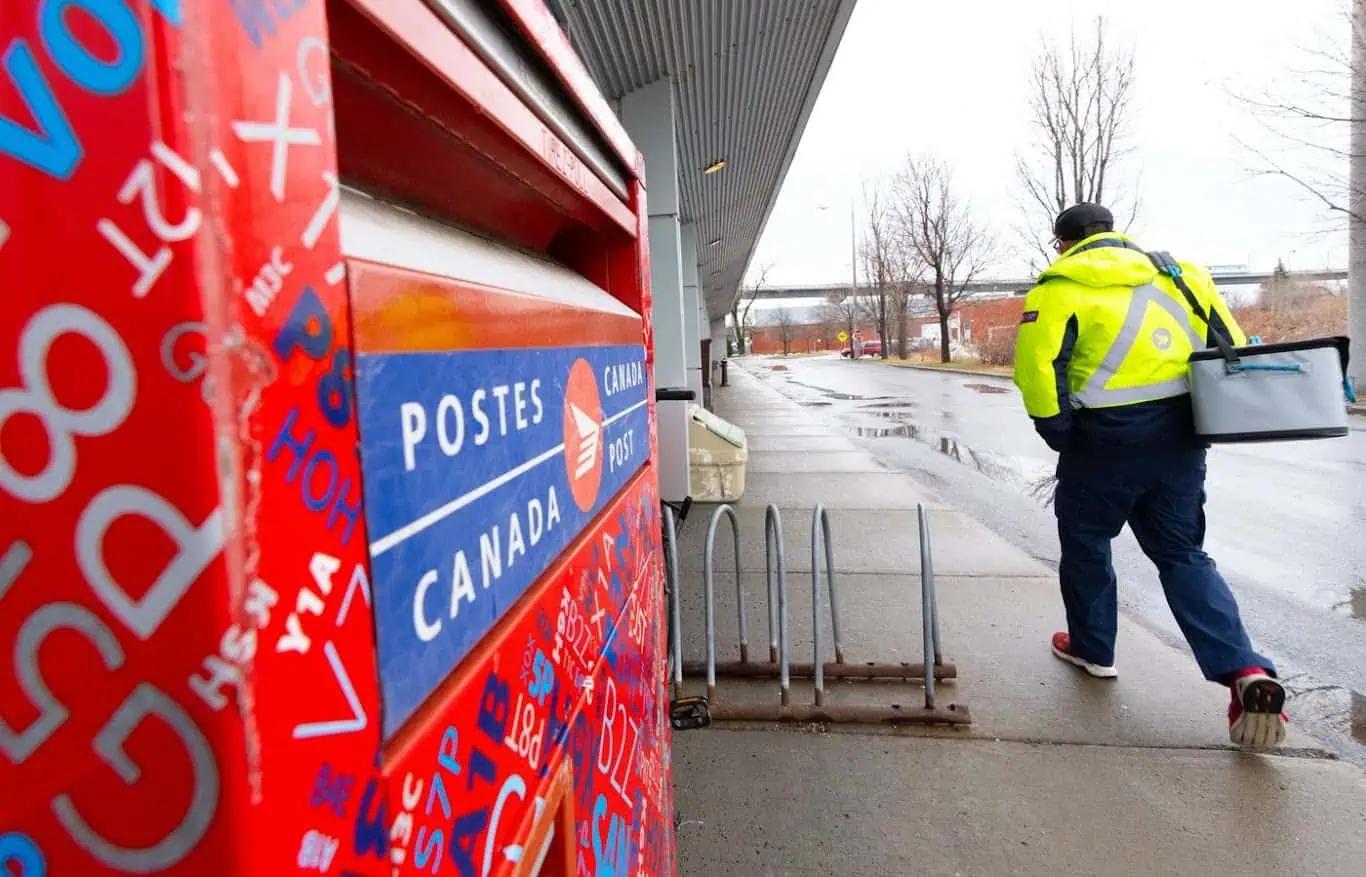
[
  {"x": 1127, "y": 395},
  {"x": 1095, "y": 392}
]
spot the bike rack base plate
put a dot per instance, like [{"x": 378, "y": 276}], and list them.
[
  {"x": 891, "y": 714},
  {"x": 909, "y": 672}
]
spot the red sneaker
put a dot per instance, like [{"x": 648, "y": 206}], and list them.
[
  {"x": 1255, "y": 716},
  {"x": 1062, "y": 649}
]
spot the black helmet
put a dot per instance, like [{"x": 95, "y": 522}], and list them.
[{"x": 1081, "y": 221}]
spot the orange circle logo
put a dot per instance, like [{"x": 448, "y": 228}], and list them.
[{"x": 583, "y": 440}]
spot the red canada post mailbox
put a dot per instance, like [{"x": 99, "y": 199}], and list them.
[{"x": 329, "y": 523}]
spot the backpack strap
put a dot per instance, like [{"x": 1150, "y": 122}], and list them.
[
  {"x": 1103, "y": 243},
  {"x": 1165, "y": 264}
]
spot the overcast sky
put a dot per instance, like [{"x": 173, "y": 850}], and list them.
[{"x": 951, "y": 79}]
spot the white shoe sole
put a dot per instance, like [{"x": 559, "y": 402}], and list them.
[
  {"x": 1095, "y": 670},
  {"x": 1261, "y": 725}
]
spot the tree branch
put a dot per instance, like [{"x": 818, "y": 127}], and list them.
[{"x": 1279, "y": 171}]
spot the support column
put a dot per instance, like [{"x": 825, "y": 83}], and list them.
[
  {"x": 648, "y": 116},
  {"x": 720, "y": 335},
  {"x": 704, "y": 344},
  {"x": 692, "y": 304}
]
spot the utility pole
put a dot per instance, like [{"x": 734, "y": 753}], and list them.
[
  {"x": 853, "y": 252},
  {"x": 853, "y": 277}
]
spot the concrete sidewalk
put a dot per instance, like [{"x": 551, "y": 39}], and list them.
[{"x": 1060, "y": 773}]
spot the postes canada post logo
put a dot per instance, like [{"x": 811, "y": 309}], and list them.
[{"x": 583, "y": 427}]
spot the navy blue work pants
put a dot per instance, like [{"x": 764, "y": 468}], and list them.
[{"x": 1162, "y": 498}]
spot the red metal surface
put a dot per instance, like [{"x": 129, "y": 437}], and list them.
[
  {"x": 193, "y": 682},
  {"x": 458, "y": 94},
  {"x": 397, "y": 309},
  {"x": 571, "y": 676},
  {"x": 571, "y": 679},
  {"x": 189, "y": 683},
  {"x": 543, "y": 32}
]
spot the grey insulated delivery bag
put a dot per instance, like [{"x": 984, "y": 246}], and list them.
[{"x": 1264, "y": 392}]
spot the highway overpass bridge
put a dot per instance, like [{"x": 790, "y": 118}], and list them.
[{"x": 1023, "y": 285}]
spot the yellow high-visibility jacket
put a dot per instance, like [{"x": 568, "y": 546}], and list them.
[{"x": 1103, "y": 344}]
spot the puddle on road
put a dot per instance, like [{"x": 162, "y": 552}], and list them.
[
  {"x": 831, "y": 394},
  {"x": 1355, "y": 604},
  {"x": 1341, "y": 710},
  {"x": 1031, "y": 477},
  {"x": 893, "y": 417},
  {"x": 880, "y": 424},
  {"x": 997, "y": 467},
  {"x": 850, "y": 397},
  {"x": 1357, "y": 718},
  {"x": 900, "y": 430}
]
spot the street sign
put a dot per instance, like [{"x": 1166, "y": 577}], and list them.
[{"x": 843, "y": 336}]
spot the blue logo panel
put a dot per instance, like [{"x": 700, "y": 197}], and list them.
[{"x": 480, "y": 468}]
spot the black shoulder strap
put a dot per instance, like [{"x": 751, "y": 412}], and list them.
[
  {"x": 1116, "y": 243},
  {"x": 1165, "y": 264}
]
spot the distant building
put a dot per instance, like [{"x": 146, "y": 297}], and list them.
[{"x": 974, "y": 320}]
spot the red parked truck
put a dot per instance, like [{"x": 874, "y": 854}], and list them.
[{"x": 329, "y": 523}]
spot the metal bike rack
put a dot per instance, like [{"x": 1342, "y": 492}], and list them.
[
  {"x": 840, "y": 668},
  {"x": 780, "y": 665},
  {"x": 675, "y": 613},
  {"x": 820, "y": 524},
  {"x": 685, "y": 713},
  {"x": 777, "y": 583},
  {"x": 929, "y": 604},
  {"x": 727, "y": 511}
]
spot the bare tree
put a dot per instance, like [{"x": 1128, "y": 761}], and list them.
[
  {"x": 831, "y": 324},
  {"x": 1079, "y": 110},
  {"x": 1315, "y": 116},
  {"x": 940, "y": 234},
  {"x": 784, "y": 320},
  {"x": 885, "y": 300},
  {"x": 1283, "y": 295},
  {"x": 739, "y": 309},
  {"x": 873, "y": 254},
  {"x": 1323, "y": 125},
  {"x": 907, "y": 285},
  {"x": 899, "y": 293},
  {"x": 872, "y": 301},
  {"x": 894, "y": 286},
  {"x": 844, "y": 311}
]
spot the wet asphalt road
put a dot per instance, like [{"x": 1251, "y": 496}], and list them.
[{"x": 1286, "y": 521}]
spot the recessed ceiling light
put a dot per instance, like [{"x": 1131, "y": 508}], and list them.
[
  {"x": 718, "y": 165},
  {"x": 713, "y": 243}
]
